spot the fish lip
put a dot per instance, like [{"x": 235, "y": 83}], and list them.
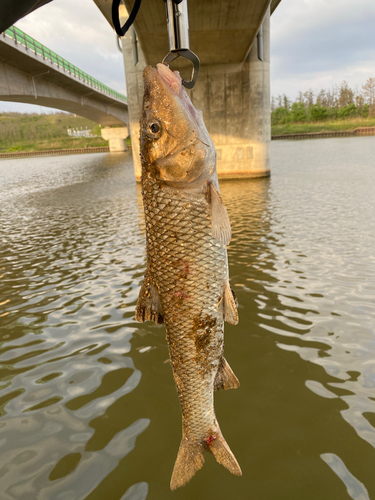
[
  {"x": 151, "y": 73},
  {"x": 172, "y": 79}
]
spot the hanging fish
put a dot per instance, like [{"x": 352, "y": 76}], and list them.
[{"x": 186, "y": 284}]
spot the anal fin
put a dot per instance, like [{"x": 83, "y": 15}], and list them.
[
  {"x": 148, "y": 306},
  {"x": 230, "y": 305},
  {"x": 221, "y": 229},
  {"x": 225, "y": 378}
]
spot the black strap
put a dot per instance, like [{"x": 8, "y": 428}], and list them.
[{"x": 115, "y": 17}]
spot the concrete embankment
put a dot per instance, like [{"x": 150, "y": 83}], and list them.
[
  {"x": 52, "y": 152},
  {"x": 362, "y": 131}
]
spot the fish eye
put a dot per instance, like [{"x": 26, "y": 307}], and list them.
[{"x": 153, "y": 129}]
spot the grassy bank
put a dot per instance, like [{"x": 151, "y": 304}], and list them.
[
  {"x": 326, "y": 126},
  {"x": 32, "y": 132}
]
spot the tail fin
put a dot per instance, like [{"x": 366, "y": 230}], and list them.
[
  {"x": 223, "y": 454},
  {"x": 190, "y": 458}
]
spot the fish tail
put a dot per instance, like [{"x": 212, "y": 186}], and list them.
[
  {"x": 190, "y": 457},
  {"x": 189, "y": 460},
  {"x": 223, "y": 454}
]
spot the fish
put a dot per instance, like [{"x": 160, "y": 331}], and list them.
[{"x": 186, "y": 284}]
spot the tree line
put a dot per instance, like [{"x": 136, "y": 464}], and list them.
[{"x": 338, "y": 103}]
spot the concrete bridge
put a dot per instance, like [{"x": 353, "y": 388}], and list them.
[
  {"x": 232, "y": 40},
  {"x": 33, "y": 74}
]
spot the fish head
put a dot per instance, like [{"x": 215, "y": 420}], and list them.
[{"x": 175, "y": 145}]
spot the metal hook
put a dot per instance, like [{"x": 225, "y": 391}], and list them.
[
  {"x": 187, "y": 54},
  {"x": 178, "y": 35}
]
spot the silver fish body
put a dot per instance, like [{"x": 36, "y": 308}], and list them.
[{"x": 186, "y": 283}]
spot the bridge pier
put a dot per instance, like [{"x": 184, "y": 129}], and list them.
[
  {"x": 116, "y": 137},
  {"x": 235, "y": 100},
  {"x": 134, "y": 87}
]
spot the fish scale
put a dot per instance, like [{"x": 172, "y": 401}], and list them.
[{"x": 178, "y": 229}]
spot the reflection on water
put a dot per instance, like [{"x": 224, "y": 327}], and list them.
[{"x": 88, "y": 408}]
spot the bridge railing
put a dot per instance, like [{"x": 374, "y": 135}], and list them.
[{"x": 27, "y": 41}]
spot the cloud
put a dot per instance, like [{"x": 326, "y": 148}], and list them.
[{"x": 318, "y": 43}]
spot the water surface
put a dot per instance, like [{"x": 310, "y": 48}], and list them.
[{"x": 88, "y": 408}]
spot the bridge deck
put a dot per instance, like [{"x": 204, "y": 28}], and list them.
[
  {"x": 221, "y": 31},
  {"x": 23, "y": 59},
  {"x": 35, "y": 58}
]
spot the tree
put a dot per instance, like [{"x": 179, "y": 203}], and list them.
[
  {"x": 286, "y": 102},
  {"x": 298, "y": 112},
  {"x": 301, "y": 97},
  {"x": 346, "y": 95},
  {"x": 321, "y": 98},
  {"x": 348, "y": 111},
  {"x": 359, "y": 101},
  {"x": 318, "y": 112},
  {"x": 309, "y": 97},
  {"x": 280, "y": 116},
  {"x": 369, "y": 91}
]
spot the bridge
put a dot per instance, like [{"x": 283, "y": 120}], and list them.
[
  {"x": 31, "y": 73},
  {"x": 232, "y": 40}
]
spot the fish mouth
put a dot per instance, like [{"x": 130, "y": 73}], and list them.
[
  {"x": 173, "y": 82},
  {"x": 163, "y": 76},
  {"x": 171, "y": 78}
]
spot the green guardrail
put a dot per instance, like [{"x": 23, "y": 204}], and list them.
[{"x": 26, "y": 40}]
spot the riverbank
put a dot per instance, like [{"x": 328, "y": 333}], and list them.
[
  {"x": 58, "y": 152},
  {"x": 362, "y": 131},
  {"x": 338, "y": 125},
  {"x": 55, "y": 152},
  {"x": 21, "y": 132}
]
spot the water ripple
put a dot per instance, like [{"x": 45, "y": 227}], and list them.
[{"x": 88, "y": 408}]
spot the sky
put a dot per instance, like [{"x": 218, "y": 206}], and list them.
[{"x": 314, "y": 44}]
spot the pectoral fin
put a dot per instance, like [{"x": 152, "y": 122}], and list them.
[
  {"x": 220, "y": 220},
  {"x": 149, "y": 307},
  {"x": 225, "y": 378},
  {"x": 230, "y": 305}
]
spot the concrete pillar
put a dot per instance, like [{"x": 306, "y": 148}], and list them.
[
  {"x": 134, "y": 88},
  {"x": 116, "y": 137},
  {"x": 235, "y": 100}
]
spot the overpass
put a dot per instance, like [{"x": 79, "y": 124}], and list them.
[
  {"x": 232, "y": 40},
  {"x": 31, "y": 73}
]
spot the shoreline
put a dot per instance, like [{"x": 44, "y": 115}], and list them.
[
  {"x": 55, "y": 152},
  {"x": 358, "y": 132}
]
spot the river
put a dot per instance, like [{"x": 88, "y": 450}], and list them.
[{"x": 88, "y": 407}]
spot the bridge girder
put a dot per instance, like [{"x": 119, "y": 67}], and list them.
[
  {"x": 220, "y": 32},
  {"x": 30, "y": 79}
]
